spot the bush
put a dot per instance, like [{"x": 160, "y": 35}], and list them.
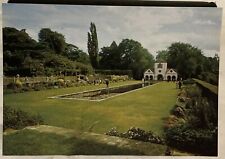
[
  {"x": 18, "y": 83},
  {"x": 193, "y": 91},
  {"x": 15, "y": 85},
  {"x": 137, "y": 134},
  {"x": 201, "y": 141},
  {"x": 38, "y": 87},
  {"x": 17, "y": 119},
  {"x": 189, "y": 81},
  {"x": 172, "y": 121},
  {"x": 201, "y": 114},
  {"x": 178, "y": 111}
]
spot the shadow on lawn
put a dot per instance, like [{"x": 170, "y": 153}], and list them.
[
  {"x": 31, "y": 142},
  {"x": 90, "y": 147}
]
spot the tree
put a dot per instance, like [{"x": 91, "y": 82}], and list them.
[
  {"x": 162, "y": 55},
  {"x": 186, "y": 59},
  {"x": 14, "y": 39},
  {"x": 128, "y": 55},
  {"x": 133, "y": 56},
  {"x": 51, "y": 55},
  {"x": 93, "y": 46},
  {"x": 110, "y": 57},
  {"x": 52, "y": 40},
  {"x": 75, "y": 54}
]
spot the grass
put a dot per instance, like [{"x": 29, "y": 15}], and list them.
[
  {"x": 143, "y": 108},
  {"x": 32, "y": 142}
]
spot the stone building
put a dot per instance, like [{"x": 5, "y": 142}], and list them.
[{"x": 161, "y": 72}]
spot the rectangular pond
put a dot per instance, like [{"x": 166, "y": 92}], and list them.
[{"x": 103, "y": 93}]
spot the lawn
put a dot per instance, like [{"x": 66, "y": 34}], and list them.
[
  {"x": 144, "y": 108},
  {"x": 59, "y": 141}
]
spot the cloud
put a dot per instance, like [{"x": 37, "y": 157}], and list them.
[{"x": 154, "y": 28}]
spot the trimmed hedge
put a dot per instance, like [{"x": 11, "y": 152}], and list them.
[{"x": 115, "y": 72}]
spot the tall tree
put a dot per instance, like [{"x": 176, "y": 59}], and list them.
[
  {"x": 53, "y": 40},
  {"x": 93, "y": 46}
]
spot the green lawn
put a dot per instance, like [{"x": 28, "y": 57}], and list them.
[
  {"x": 144, "y": 108},
  {"x": 32, "y": 142}
]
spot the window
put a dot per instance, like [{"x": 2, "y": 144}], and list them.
[
  {"x": 159, "y": 65},
  {"x": 171, "y": 71},
  {"x": 159, "y": 71}
]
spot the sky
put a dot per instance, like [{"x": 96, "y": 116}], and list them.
[{"x": 154, "y": 28}]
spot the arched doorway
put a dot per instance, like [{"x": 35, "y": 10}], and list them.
[
  {"x": 160, "y": 77},
  {"x": 173, "y": 78},
  {"x": 146, "y": 77},
  {"x": 151, "y": 77},
  {"x": 168, "y": 78}
]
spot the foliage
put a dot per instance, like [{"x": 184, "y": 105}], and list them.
[
  {"x": 17, "y": 40},
  {"x": 185, "y": 59},
  {"x": 114, "y": 72},
  {"x": 201, "y": 113},
  {"x": 178, "y": 111},
  {"x": 172, "y": 121},
  {"x": 198, "y": 133},
  {"x": 193, "y": 91},
  {"x": 50, "y": 56},
  {"x": 190, "y": 62},
  {"x": 17, "y": 119},
  {"x": 75, "y": 54},
  {"x": 162, "y": 55},
  {"x": 137, "y": 134},
  {"x": 128, "y": 55},
  {"x": 203, "y": 141},
  {"x": 53, "y": 40},
  {"x": 188, "y": 81},
  {"x": 110, "y": 57},
  {"x": 93, "y": 46}
]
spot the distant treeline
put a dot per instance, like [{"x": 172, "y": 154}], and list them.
[{"x": 52, "y": 55}]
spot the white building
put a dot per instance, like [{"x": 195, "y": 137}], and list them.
[{"x": 161, "y": 72}]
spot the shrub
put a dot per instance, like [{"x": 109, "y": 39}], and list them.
[
  {"x": 201, "y": 113},
  {"x": 25, "y": 89},
  {"x": 178, "y": 111},
  {"x": 18, "y": 83},
  {"x": 193, "y": 91},
  {"x": 17, "y": 119},
  {"x": 189, "y": 81},
  {"x": 61, "y": 83},
  {"x": 15, "y": 85},
  {"x": 137, "y": 134},
  {"x": 38, "y": 87},
  {"x": 203, "y": 141},
  {"x": 172, "y": 121}
]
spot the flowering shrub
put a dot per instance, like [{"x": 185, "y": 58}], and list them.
[{"x": 137, "y": 134}]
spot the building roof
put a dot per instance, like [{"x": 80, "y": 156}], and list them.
[{"x": 174, "y": 71}]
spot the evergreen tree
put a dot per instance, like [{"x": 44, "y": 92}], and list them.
[{"x": 93, "y": 46}]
